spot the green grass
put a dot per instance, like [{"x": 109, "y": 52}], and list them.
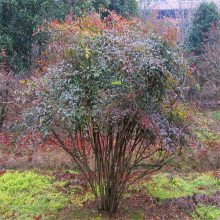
[
  {"x": 215, "y": 115},
  {"x": 207, "y": 135},
  {"x": 164, "y": 187},
  {"x": 206, "y": 213},
  {"x": 71, "y": 171},
  {"x": 28, "y": 194},
  {"x": 25, "y": 195}
]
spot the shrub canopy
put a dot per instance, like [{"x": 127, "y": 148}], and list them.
[{"x": 107, "y": 72}]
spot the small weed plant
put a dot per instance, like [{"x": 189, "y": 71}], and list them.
[{"x": 206, "y": 213}]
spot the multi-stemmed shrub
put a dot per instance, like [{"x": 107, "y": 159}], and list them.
[{"x": 109, "y": 99}]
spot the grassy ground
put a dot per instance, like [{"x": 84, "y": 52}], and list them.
[
  {"x": 190, "y": 193},
  {"x": 163, "y": 186},
  {"x": 35, "y": 194},
  {"x": 24, "y": 195}
]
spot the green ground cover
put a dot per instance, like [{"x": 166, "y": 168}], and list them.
[
  {"x": 28, "y": 194},
  {"x": 206, "y": 213},
  {"x": 163, "y": 186},
  {"x": 215, "y": 115},
  {"x": 24, "y": 195}
]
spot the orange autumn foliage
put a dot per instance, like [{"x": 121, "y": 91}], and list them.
[{"x": 93, "y": 25}]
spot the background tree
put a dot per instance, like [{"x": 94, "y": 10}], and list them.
[
  {"x": 7, "y": 83},
  {"x": 19, "y": 20},
  {"x": 112, "y": 97},
  {"x": 204, "y": 20},
  {"x": 79, "y": 8},
  {"x": 99, "y": 5},
  {"x": 206, "y": 16},
  {"x": 126, "y": 8},
  {"x": 209, "y": 68}
]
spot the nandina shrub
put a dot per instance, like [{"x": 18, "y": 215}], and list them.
[{"x": 109, "y": 101}]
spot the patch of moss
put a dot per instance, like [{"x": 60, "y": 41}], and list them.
[
  {"x": 163, "y": 186},
  {"x": 24, "y": 195},
  {"x": 206, "y": 213}
]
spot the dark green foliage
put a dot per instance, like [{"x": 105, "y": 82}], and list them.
[
  {"x": 125, "y": 8},
  {"x": 205, "y": 18},
  {"x": 100, "y": 4},
  {"x": 78, "y": 7},
  {"x": 18, "y": 22}
]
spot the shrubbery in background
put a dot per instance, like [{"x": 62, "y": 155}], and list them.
[
  {"x": 19, "y": 37},
  {"x": 202, "y": 43},
  {"x": 209, "y": 67},
  {"x": 126, "y": 8},
  {"x": 19, "y": 20},
  {"x": 206, "y": 18}
]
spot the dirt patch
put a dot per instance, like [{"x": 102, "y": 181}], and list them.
[
  {"x": 142, "y": 206},
  {"x": 72, "y": 179}
]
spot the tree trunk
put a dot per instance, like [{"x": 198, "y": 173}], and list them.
[
  {"x": 2, "y": 115},
  {"x": 92, "y": 161},
  {"x": 109, "y": 203}
]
